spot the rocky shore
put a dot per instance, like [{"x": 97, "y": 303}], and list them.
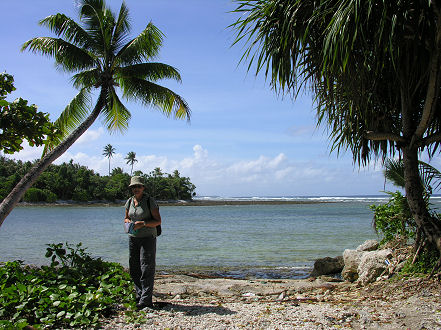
[
  {"x": 371, "y": 295},
  {"x": 317, "y": 303}
]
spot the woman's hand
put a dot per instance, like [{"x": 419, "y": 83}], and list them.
[{"x": 139, "y": 224}]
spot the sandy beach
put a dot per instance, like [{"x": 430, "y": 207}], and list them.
[{"x": 323, "y": 303}]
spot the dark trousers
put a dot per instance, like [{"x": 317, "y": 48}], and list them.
[{"x": 142, "y": 262}]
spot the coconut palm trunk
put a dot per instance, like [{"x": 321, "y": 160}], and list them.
[{"x": 29, "y": 179}]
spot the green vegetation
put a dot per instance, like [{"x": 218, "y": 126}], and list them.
[
  {"x": 395, "y": 223},
  {"x": 425, "y": 263},
  {"x": 70, "y": 181},
  {"x": 19, "y": 121},
  {"x": 394, "y": 219},
  {"x": 74, "y": 291}
]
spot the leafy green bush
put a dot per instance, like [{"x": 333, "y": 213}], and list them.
[
  {"x": 74, "y": 291},
  {"x": 50, "y": 196},
  {"x": 424, "y": 264},
  {"x": 33, "y": 195},
  {"x": 394, "y": 219}
]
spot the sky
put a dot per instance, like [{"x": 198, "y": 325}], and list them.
[{"x": 243, "y": 139}]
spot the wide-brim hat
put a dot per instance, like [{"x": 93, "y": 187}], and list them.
[{"x": 136, "y": 180}]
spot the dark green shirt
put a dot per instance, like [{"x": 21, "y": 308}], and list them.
[{"x": 142, "y": 213}]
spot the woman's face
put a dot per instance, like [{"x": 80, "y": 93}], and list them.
[{"x": 138, "y": 189}]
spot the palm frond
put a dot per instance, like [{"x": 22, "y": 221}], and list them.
[
  {"x": 116, "y": 115},
  {"x": 75, "y": 112},
  {"x": 429, "y": 175},
  {"x": 86, "y": 78},
  {"x": 122, "y": 28},
  {"x": 68, "y": 56},
  {"x": 142, "y": 48},
  {"x": 92, "y": 14},
  {"x": 99, "y": 22},
  {"x": 108, "y": 151},
  {"x": 64, "y": 26},
  {"x": 149, "y": 71},
  {"x": 394, "y": 172},
  {"x": 151, "y": 94},
  {"x": 274, "y": 33}
]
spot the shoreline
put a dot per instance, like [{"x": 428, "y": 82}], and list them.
[{"x": 178, "y": 203}]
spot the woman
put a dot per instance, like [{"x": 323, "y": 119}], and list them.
[{"x": 143, "y": 212}]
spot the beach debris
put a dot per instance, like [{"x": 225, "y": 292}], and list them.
[
  {"x": 248, "y": 294},
  {"x": 281, "y": 296}
]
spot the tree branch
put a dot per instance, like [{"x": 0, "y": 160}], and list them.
[{"x": 375, "y": 136}]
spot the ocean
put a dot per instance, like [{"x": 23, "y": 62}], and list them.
[{"x": 238, "y": 241}]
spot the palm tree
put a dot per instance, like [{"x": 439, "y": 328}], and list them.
[
  {"x": 98, "y": 51},
  {"x": 373, "y": 67},
  {"x": 108, "y": 152},
  {"x": 131, "y": 159}
]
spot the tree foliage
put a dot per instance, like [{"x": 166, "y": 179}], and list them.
[
  {"x": 70, "y": 181},
  {"x": 20, "y": 121},
  {"x": 374, "y": 68},
  {"x": 362, "y": 60}
]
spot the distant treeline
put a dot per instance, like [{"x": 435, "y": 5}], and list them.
[{"x": 70, "y": 181}]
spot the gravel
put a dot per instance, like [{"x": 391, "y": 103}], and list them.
[{"x": 192, "y": 303}]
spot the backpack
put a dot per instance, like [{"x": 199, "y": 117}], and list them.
[{"x": 158, "y": 227}]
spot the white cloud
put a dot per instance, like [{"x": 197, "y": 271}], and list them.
[
  {"x": 90, "y": 135},
  {"x": 28, "y": 153}
]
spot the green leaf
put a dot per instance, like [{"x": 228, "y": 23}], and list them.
[
  {"x": 73, "y": 295},
  {"x": 54, "y": 296}
]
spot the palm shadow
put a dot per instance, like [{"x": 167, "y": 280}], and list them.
[{"x": 195, "y": 310}]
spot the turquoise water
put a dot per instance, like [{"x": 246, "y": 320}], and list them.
[{"x": 271, "y": 241}]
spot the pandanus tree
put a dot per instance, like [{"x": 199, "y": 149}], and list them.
[
  {"x": 98, "y": 51},
  {"x": 373, "y": 68},
  {"x": 131, "y": 160},
  {"x": 108, "y": 152}
]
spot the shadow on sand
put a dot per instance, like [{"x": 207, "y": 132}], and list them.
[{"x": 196, "y": 309}]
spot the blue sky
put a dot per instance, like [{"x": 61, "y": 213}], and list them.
[{"x": 243, "y": 139}]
